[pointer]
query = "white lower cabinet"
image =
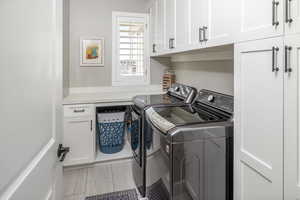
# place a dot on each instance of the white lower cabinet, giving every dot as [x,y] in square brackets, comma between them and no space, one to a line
[259,94]
[292,120]
[79,134]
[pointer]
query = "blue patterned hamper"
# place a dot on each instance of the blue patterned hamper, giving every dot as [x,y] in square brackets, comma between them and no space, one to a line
[111,131]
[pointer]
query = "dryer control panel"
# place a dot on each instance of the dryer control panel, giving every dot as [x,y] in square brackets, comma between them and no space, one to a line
[220,101]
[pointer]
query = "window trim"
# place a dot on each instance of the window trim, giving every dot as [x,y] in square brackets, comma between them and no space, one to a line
[115,80]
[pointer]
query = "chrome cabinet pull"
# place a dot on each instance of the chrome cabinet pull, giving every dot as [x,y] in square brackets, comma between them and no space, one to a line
[275,21]
[288,18]
[79,111]
[171,43]
[200,34]
[154,48]
[287,63]
[274,59]
[205,39]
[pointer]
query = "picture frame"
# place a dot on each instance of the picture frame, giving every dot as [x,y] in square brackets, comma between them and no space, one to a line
[92,52]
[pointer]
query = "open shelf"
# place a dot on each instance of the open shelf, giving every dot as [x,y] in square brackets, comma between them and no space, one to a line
[124,154]
[197,54]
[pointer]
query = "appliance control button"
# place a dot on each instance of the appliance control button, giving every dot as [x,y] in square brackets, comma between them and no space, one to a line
[176,89]
[211,98]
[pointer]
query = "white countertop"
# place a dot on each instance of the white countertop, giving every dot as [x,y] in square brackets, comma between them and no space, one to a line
[108,94]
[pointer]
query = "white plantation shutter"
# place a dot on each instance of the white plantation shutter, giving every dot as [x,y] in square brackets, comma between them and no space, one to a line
[130,52]
[131,49]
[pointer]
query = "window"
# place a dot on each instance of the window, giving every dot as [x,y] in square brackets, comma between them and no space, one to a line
[130,45]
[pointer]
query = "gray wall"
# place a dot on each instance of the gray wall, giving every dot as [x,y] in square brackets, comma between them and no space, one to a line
[212,75]
[94,18]
[66,44]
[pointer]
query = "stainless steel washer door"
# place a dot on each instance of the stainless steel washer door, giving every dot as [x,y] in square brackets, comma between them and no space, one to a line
[135,140]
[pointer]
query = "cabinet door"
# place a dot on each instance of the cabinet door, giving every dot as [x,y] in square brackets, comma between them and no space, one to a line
[160,25]
[292,16]
[170,24]
[218,22]
[291,119]
[182,23]
[198,18]
[260,19]
[153,26]
[80,137]
[259,120]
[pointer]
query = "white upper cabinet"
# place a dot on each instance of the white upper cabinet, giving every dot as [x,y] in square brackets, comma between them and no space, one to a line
[292,16]
[182,24]
[259,94]
[153,26]
[217,21]
[170,24]
[291,118]
[161,26]
[157,14]
[260,19]
[198,18]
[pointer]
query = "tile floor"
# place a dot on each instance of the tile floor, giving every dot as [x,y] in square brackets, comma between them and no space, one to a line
[98,179]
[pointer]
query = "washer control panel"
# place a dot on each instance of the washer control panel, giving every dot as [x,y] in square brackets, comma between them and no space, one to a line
[180,91]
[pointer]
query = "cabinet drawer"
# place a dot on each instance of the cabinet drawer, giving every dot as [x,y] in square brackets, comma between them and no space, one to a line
[78,110]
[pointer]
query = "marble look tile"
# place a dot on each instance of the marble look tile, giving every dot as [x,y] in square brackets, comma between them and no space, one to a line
[81,183]
[69,182]
[122,176]
[75,182]
[75,197]
[99,180]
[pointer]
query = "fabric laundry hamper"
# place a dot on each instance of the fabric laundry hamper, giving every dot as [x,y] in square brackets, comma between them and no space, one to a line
[111,130]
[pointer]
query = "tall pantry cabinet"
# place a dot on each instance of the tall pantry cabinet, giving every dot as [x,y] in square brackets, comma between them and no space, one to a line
[291,118]
[259,119]
[267,140]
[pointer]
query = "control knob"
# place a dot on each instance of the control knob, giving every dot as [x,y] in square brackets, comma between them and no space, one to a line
[211,98]
[177,89]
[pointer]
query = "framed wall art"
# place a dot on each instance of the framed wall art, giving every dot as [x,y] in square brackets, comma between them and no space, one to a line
[91,52]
